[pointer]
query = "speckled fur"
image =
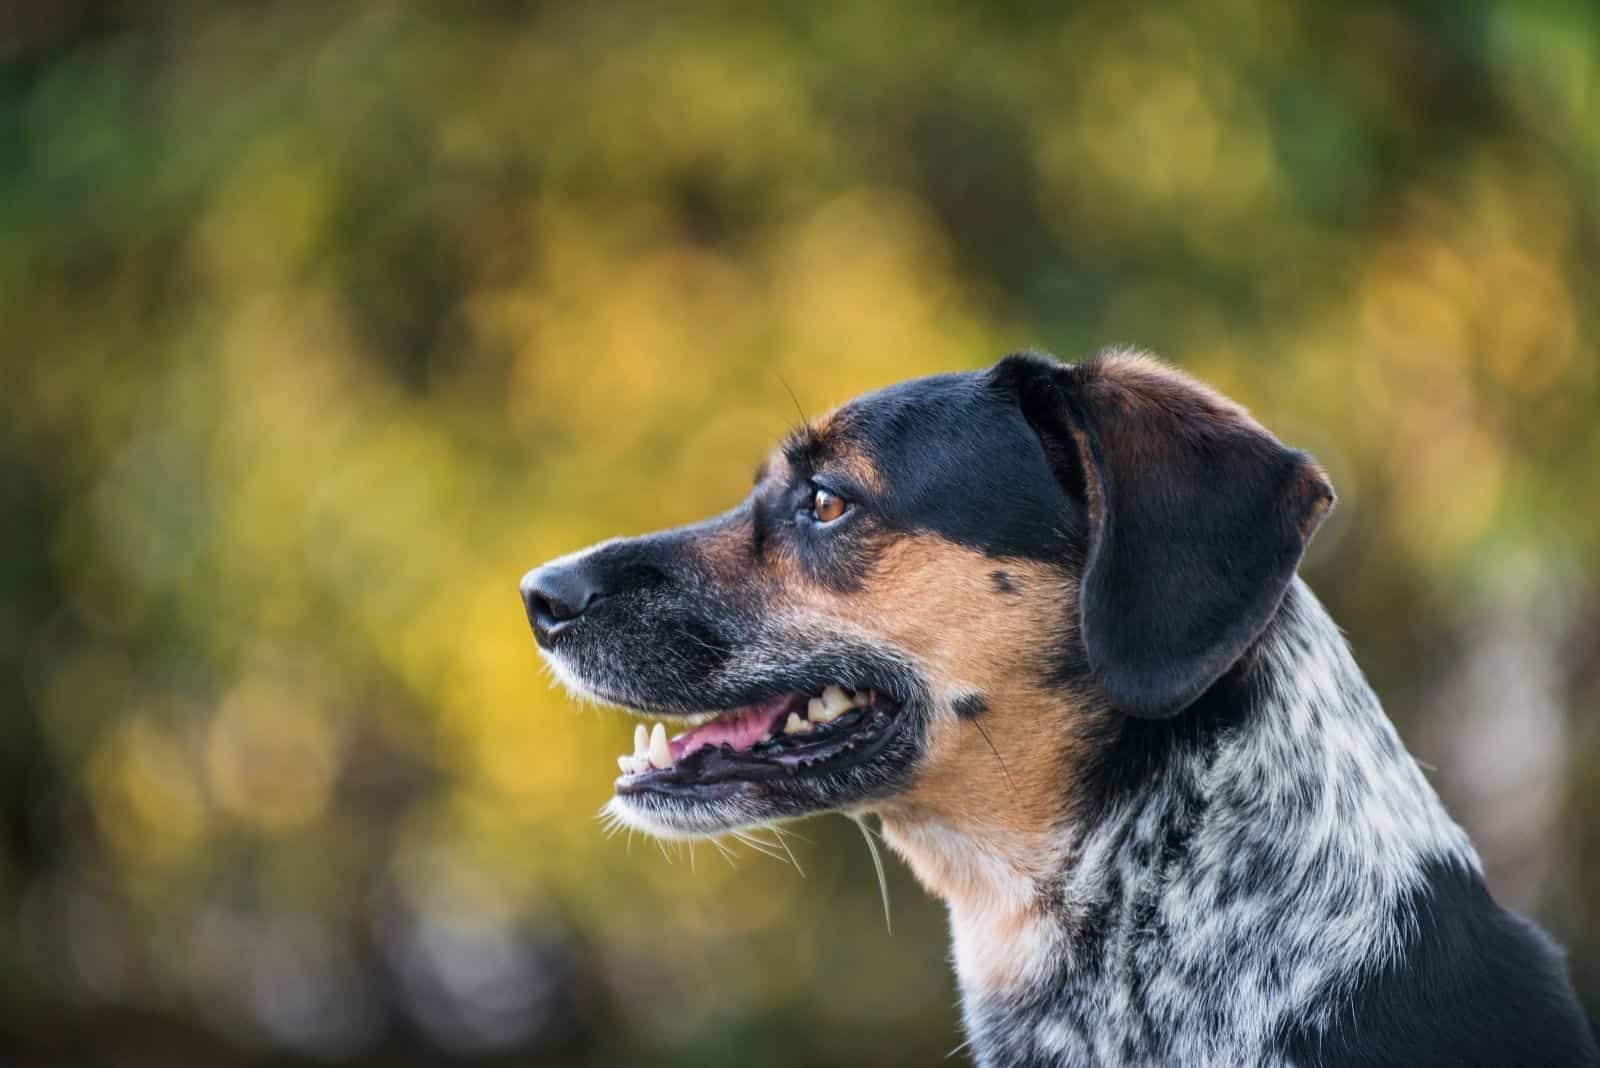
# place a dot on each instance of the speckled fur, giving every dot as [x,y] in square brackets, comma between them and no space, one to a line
[1242,892]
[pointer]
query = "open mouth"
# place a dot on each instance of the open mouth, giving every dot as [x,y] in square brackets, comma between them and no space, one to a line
[786,736]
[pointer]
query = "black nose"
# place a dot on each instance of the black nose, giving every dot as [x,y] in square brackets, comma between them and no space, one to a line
[555,595]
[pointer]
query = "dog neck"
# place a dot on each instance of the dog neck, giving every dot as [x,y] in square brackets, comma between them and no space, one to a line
[1225,871]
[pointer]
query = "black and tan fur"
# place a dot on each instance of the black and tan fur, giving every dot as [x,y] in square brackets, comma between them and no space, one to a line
[1204,843]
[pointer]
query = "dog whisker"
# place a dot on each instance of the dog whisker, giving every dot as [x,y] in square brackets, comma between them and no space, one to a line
[778,836]
[756,844]
[877,864]
[1011,783]
[726,854]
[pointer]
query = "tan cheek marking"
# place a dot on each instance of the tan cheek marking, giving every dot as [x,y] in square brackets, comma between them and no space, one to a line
[980,836]
[938,601]
[969,826]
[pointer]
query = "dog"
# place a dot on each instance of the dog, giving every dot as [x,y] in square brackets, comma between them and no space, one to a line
[1044,621]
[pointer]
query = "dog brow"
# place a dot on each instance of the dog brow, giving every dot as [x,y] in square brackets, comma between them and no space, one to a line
[803,447]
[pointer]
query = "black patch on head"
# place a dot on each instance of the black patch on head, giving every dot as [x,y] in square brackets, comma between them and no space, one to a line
[956,459]
[970,705]
[1002,582]
[1474,986]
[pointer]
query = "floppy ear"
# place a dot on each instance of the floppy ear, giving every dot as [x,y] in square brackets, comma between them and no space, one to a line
[1197,519]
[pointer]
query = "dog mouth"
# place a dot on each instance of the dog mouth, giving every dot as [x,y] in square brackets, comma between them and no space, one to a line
[787,736]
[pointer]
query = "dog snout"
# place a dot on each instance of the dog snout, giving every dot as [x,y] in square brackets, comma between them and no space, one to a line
[556,596]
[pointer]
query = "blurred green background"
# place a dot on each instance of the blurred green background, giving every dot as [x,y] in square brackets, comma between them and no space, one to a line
[322,323]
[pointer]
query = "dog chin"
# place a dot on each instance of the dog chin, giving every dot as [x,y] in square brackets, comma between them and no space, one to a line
[687,818]
[675,821]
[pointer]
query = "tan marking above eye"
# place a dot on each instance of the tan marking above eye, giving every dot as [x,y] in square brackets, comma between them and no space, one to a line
[826,507]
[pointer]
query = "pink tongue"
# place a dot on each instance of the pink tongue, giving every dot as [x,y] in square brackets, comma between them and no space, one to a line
[741,728]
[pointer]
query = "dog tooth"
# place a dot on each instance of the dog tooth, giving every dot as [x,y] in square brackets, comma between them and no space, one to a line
[766,736]
[660,755]
[817,711]
[625,764]
[860,699]
[835,700]
[641,740]
[795,725]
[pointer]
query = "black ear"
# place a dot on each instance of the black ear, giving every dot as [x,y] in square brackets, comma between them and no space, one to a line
[1197,519]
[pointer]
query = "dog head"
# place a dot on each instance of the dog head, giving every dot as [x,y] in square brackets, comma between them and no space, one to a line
[994,561]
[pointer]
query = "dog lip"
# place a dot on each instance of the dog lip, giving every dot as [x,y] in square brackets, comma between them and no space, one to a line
[673,709]
[693,791]
[715,766]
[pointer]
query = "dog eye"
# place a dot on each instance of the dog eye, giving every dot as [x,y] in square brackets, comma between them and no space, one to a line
[826,507]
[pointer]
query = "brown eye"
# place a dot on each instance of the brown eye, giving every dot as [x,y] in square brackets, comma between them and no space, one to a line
[826,507]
